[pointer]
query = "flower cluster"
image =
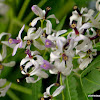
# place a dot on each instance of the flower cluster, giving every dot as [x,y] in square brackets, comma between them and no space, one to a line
[78,43]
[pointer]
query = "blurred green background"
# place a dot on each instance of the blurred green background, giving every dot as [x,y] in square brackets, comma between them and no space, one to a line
[15,13]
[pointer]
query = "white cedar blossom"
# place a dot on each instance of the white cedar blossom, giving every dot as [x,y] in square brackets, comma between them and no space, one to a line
[98,5]
[30,63]
[84,13]
[86,57]
[2,57]
[95,21]
[59,40]
[61,67]
[3,89]
[18,41]
[31,35]
[6,42]
[47,94]
[41,13]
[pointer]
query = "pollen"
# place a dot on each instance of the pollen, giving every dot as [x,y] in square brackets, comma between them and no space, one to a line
[89,51]
[10,40]
[75,7]
[42,98]
[47,43]
[18,80]
[43,34]
[1,67]
[48,8]
[73,25]
[57,84]
[21,68]
[44,65]
[28,42]
[64,57]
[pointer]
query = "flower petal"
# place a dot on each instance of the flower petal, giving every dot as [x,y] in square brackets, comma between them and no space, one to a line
[60,32]
[2,82]
[53,16]
[38,45]
[28,65]
[58,91]
[34,21]
[4,51]
[19,35]
[4,90]
[10,64]
[2,34]
[31,79]
[23,61]
[15,49]
[38,11]
[48,27]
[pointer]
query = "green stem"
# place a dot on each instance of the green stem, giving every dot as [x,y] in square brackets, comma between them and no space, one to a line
[20,88]
[45,52]
[22,11]
[66,33]
[76,57]
[42,23]
[12,95]
[63,98]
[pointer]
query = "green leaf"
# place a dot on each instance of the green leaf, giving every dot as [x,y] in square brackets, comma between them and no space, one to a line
[70,90]
[91,82]
[97,46]
[60,25]
[81,94]
[90,77]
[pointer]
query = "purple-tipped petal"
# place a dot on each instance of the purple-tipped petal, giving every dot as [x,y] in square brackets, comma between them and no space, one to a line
[13,41]
[46,65]
[49,44]
[19,35]
[15,49]
[38,11]
[20,44]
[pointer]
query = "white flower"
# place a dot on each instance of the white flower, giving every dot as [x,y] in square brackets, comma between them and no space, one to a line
[2,56]
[3,90]
[78,15]
[60,41]
[18,41]
[98,5]
[32,36]
[43,15]
[96,21]
[61,67]
[48,95]
[32,61]
[86,57]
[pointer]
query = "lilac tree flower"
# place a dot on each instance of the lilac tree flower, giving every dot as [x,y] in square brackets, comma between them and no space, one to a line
[78,15]
[48,95]
[32,61]
[18,41]
[98,5]
[46,65]
[3,89]
[32,36]
[2,56]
